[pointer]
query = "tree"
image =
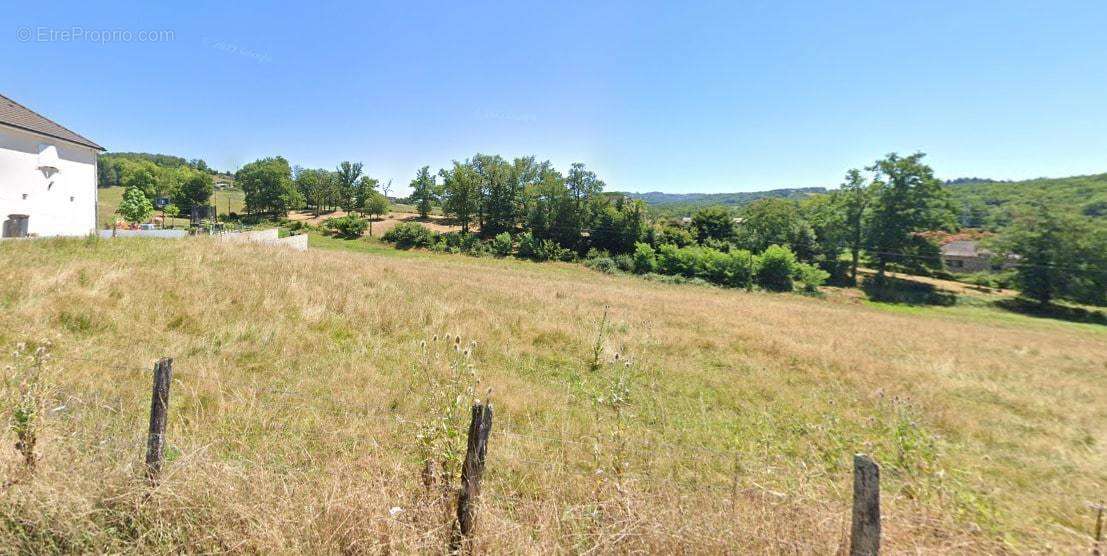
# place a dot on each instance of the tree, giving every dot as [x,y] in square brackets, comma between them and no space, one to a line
[376,204]
[317,187]
[423,191]
[141,176]
[195,190]
[853,199]
[365,189]
[171,211]
[135,207]
[347,176]
[461,194]
[620,225]
[1046,243]
[268,186]
[583,186]
[907,199]
[714,222]
[773,221]
[499,194]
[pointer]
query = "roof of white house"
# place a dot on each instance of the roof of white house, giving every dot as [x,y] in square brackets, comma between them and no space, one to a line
[16,115]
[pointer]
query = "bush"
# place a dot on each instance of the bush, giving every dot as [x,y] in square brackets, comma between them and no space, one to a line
[645,258]
[501,244]
[408,235]
[624,262]
[530,248]
[775,268]
[605,265]
[811,276]
[348,227]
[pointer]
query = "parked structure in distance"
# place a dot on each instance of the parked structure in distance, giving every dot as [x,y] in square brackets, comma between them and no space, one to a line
[47,176]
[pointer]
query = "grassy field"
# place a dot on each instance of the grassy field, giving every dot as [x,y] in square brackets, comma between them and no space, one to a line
[110,197]
[305,401]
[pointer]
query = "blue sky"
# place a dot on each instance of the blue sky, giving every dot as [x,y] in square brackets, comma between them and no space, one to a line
[673,96]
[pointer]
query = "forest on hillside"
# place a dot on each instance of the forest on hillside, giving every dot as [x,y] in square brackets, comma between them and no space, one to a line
[992,205]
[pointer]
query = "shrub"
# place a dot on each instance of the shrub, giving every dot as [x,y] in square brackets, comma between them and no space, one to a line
[811,276]
[407,235]
[775,268]
[501,244]
[555,252]
[674,261]
[529,247]
[605,265]
[645,258]
[624,262]
[349,227]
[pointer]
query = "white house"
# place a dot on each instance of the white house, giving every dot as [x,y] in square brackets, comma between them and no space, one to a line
[47,176]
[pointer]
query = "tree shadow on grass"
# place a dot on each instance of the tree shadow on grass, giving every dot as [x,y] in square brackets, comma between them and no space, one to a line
[905,292]
[1052,311]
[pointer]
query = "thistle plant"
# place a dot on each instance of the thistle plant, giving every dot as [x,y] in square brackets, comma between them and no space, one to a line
[27,400]
[616,396]
[446,367]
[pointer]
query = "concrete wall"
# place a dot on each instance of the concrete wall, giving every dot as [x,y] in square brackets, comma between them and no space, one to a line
[62,204]
[164,234]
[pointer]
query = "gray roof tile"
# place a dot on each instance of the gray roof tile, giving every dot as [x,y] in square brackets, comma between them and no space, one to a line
[16,115]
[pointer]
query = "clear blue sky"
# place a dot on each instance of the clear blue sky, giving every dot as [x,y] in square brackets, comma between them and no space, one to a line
[675,96]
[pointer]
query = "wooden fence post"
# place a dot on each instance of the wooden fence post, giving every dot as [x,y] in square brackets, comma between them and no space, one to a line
[865,534]
[159,406]
[1097,547]
[480,426]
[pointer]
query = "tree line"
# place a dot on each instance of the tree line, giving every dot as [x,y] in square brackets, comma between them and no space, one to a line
[271,185]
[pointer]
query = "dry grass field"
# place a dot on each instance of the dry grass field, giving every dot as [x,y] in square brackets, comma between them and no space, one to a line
[304,402]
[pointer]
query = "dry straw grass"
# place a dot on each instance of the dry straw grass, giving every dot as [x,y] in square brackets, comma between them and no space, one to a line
[299,399]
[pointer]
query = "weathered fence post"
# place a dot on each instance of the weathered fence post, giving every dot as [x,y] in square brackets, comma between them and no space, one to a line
[865,534]
[159,406]
[480,426]
[1097,549]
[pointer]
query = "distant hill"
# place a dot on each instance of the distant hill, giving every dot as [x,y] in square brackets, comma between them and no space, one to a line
[110,166]
[683,204]
[989,204]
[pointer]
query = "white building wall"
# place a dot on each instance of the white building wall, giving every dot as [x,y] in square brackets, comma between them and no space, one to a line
[63,204]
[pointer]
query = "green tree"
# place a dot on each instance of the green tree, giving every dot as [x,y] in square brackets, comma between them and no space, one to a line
[268,186]
[461,194]
[907,199]
[499,194]
[774,221]
[195,190]
[141,176]
[347,176]
[1045,242]
[317,187]
[364,191]
[620,224]
[376,204]
[714,222]
[135,207]
[853,199]
[424,191]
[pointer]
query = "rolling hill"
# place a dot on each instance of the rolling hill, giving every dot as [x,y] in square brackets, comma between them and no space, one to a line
[980,203]
[683,204]
[989,204]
